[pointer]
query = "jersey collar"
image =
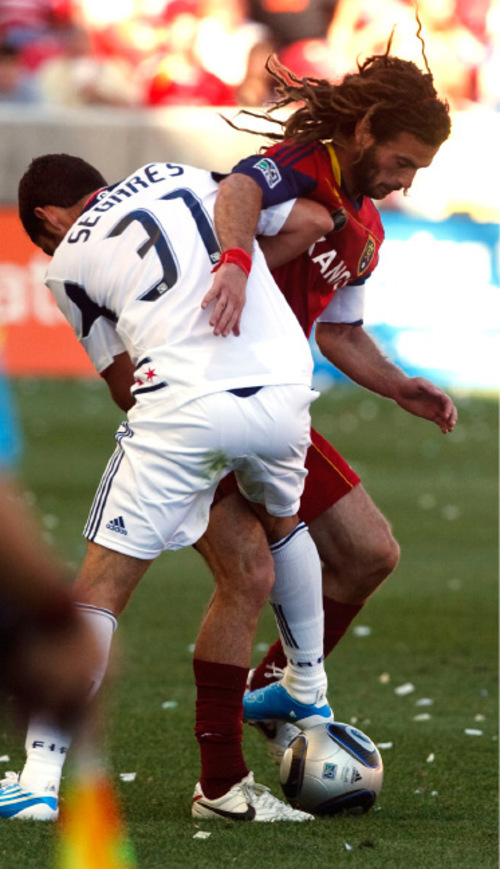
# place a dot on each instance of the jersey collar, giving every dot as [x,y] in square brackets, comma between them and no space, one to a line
[337,174]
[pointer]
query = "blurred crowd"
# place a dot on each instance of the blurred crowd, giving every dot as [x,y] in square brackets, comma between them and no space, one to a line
[146,53]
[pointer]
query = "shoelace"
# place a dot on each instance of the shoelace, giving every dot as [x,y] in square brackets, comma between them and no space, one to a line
[254,790]
[273,672]
[9,779]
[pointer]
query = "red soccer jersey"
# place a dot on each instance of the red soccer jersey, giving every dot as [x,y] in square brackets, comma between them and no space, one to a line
[348,254]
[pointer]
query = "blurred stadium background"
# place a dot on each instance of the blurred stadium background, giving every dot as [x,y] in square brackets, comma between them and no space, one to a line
[124,82]
[128,81]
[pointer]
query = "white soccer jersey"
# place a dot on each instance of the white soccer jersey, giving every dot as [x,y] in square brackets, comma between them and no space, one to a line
[131,274]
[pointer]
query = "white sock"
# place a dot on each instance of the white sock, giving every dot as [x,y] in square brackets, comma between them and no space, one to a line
[297,601]
[46,744]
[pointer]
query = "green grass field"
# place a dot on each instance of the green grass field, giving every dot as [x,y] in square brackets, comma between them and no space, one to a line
[434,625]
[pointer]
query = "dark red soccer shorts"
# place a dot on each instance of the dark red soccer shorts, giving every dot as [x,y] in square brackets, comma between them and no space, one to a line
[328,480]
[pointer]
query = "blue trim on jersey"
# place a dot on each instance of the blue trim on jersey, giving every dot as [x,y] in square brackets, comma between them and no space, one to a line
[292,153]
[149,388]
[89,310]
[291,185]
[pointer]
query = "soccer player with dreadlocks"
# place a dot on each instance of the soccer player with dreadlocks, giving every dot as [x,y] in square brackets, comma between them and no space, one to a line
[345,144]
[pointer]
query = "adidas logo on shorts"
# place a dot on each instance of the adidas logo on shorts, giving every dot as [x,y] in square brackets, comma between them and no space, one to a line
[117,525]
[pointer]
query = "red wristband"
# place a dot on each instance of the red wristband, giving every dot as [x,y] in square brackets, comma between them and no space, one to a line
[238,257]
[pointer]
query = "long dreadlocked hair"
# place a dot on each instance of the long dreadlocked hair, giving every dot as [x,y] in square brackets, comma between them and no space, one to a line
[393,95]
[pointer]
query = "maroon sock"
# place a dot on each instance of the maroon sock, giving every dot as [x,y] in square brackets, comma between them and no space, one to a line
[338,617]
[219,728]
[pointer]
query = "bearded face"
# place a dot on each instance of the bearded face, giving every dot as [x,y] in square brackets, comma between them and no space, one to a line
[384,168]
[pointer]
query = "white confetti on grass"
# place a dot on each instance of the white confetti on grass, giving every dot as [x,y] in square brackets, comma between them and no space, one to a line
[427,501]
[262,647]
[384,745]
[169,704]
[201,834]
[424,701]
[431,758]
[422,716]
[479,717]
[403,690]
[128,776]
[471,731]
[4,758]
[384,678]
[361,631]
[450,512]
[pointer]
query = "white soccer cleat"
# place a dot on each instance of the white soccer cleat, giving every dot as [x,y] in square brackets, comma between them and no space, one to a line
[278,736]
[245,801]
[17,802]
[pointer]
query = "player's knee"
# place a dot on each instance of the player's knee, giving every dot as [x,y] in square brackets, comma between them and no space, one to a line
[249,586]
[359,570]
[386,555]
[379,559]
[261,580]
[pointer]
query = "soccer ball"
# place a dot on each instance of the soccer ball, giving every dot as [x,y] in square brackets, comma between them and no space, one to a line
[332,768]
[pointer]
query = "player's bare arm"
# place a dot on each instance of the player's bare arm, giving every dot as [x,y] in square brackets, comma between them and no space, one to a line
[119,378]
[307,222]
[354,353]
[237,212]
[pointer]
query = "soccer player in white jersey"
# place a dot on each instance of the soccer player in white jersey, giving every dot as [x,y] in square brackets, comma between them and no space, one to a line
[130,270]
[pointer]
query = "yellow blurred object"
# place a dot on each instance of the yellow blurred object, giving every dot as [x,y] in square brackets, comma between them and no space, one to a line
[92,833]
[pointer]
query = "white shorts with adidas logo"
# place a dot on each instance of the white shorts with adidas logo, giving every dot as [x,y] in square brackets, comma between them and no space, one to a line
[156,491]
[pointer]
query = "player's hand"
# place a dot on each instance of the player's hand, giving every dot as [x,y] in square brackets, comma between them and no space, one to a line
[228,291]
[424,399]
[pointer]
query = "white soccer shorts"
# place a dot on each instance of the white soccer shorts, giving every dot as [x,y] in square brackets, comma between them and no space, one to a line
[158,486]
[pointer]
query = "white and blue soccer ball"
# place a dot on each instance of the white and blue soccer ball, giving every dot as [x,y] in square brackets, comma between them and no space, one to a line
[330,769]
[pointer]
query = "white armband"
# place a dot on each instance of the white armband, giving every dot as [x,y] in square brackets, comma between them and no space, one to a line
[347,306]
[272,219]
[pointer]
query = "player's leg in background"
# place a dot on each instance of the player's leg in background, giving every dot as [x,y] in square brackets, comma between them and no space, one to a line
[358,552]
[103,587]
[357,548]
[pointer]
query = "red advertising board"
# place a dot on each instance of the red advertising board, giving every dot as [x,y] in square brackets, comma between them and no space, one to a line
[36,339]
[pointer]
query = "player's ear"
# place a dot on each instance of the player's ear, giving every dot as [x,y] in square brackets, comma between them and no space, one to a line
[363,134]
[51,215]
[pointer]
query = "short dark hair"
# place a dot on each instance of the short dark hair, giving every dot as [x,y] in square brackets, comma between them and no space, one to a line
[54,179]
